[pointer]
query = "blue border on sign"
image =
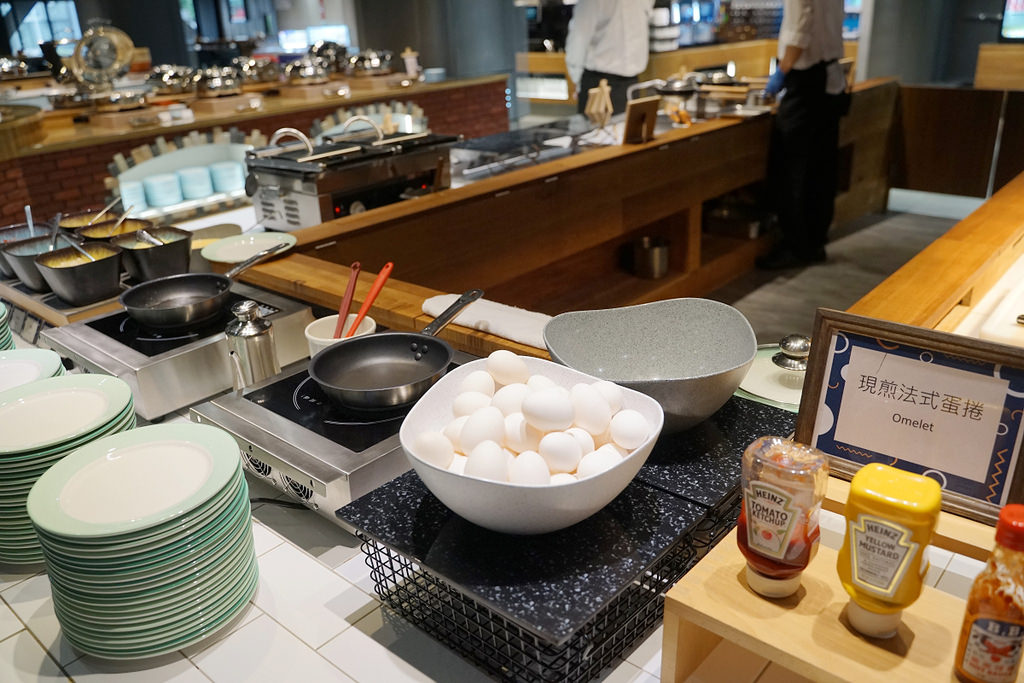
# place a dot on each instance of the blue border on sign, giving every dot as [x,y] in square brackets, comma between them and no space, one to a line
[991,490]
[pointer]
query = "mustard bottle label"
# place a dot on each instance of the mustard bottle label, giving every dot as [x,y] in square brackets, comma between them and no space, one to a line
[993,650]
[771,517]
[880,553]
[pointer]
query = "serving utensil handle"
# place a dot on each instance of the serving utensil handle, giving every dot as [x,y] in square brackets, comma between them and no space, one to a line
[254,259]
[448,314]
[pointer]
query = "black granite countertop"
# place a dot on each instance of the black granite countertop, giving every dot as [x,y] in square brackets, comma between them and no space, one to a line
[552,584]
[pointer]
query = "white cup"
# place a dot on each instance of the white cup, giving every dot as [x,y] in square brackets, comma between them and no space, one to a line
[320,332]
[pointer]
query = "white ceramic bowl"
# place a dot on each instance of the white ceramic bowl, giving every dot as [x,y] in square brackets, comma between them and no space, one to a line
[320,332]
[690,354]
[517,508]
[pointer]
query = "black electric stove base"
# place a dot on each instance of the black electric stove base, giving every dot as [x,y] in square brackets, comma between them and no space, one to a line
[564,605]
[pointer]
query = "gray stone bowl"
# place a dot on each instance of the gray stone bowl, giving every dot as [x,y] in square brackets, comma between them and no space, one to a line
[688,354]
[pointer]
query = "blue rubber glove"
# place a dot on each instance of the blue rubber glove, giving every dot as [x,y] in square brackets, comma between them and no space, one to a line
[774,84]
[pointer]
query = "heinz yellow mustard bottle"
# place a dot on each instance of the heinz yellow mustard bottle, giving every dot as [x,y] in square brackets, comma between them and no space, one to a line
[890,517]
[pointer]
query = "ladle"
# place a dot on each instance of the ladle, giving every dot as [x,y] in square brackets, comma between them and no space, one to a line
[104,211]
[71,240]
[124,216]
[143,236]
[28,219]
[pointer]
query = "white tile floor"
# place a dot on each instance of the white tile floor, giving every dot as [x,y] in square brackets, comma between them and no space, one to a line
[315,618]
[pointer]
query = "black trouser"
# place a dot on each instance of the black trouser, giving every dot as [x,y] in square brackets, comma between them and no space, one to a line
[804,160]
[618,84]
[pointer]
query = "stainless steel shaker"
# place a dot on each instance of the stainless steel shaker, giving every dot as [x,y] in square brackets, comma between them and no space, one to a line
[251,344]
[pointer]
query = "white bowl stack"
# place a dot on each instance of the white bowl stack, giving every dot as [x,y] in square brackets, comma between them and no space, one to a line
[40,423]
[227,176]
[195,182]
[148,539]
[162,189]
[21,366]
[6,338]
[133,194]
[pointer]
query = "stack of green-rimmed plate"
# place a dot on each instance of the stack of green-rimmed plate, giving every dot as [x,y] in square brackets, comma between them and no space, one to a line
[40,423]
[21,366]
[6,338]
[148,539]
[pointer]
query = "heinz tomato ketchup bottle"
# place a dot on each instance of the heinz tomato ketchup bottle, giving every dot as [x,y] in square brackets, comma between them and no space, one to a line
[783,486]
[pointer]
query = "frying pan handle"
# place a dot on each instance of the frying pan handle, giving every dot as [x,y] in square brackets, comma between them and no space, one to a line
[254,259]
[441,321]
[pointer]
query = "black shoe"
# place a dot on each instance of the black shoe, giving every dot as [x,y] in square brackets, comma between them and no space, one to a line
[779,258]
[819,256]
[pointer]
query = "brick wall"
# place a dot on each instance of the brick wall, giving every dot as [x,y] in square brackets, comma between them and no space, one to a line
[73,180]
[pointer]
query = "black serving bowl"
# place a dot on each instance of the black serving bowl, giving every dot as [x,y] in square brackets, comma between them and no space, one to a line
[21,256]
[79,281]
[15,233]
[146,261]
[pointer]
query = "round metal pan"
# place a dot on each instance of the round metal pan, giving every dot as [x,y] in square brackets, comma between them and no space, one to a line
[390,369]
[188,299]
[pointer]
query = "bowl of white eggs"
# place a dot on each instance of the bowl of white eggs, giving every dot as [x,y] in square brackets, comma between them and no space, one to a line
[522,445]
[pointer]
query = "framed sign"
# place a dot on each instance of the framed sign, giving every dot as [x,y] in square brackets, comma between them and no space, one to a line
[938,404]
[641,115]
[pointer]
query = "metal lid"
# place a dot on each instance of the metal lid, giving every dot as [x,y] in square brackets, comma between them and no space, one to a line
[246,310]
[793,352]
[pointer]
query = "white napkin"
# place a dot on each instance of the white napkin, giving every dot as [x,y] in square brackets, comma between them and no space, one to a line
[517,324]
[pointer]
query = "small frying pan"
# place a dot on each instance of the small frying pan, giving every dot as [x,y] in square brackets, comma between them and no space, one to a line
[187,299]
[389,369]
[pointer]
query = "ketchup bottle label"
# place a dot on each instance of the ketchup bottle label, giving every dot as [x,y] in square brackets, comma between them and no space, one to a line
[770,519]
[993,650]
[880,554]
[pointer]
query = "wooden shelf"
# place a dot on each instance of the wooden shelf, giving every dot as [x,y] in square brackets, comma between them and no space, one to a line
[806,633]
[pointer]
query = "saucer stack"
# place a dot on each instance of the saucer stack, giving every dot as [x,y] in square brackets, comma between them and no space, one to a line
[21,366]
[40,423]
[148,539]
[227,176]
[133,194]
[195,182]
[162,189]
[6,338]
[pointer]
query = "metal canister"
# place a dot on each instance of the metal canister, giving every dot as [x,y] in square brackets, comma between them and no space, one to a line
[251,343]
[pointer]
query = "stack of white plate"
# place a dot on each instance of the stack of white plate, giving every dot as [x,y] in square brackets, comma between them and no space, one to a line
[162,189]
[40,423]
[148,539]
[195,182]
[21,366]
[6,338]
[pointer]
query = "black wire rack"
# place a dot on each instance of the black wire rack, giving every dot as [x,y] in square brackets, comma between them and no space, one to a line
[510,652]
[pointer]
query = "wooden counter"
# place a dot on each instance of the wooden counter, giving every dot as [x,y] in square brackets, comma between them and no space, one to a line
[65,171]
[549,237]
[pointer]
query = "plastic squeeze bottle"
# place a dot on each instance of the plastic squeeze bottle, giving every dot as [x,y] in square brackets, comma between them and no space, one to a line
[783,486]
[993,630]
[890,517]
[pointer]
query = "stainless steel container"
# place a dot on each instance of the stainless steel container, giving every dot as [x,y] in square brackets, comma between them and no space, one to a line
[650,257]
[251,345]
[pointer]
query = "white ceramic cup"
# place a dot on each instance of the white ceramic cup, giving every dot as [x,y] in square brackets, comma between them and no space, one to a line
[320,332]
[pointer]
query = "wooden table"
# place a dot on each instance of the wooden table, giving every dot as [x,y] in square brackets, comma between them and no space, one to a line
[806,633]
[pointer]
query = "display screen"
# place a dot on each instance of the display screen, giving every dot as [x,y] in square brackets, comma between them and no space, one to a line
[337,33]
[1013,20]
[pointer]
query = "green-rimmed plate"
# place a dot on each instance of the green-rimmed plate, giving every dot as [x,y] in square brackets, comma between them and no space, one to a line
[238,248]
[51,411]
[132,481]
[123,422]
[22,366]
[128,544]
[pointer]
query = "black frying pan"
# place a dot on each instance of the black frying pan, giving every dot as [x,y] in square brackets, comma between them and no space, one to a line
[389,369]
[188,299]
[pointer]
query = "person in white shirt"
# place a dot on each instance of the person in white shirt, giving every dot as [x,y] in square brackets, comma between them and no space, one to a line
[607,39]
[803,163]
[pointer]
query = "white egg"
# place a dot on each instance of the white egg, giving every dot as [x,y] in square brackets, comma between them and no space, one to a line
[562,478]
[468,402]
[548,410]
[529,468]
[453,430]
[629,429]
[509,398]
[458,465]
[538,382]
[434,447]
[487,461]
[614,448]
[561,452]
[520,436]
[478,380]
[612,393]
[597,462]
[507,368]
[583,437]
[486,424]
[590,408]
